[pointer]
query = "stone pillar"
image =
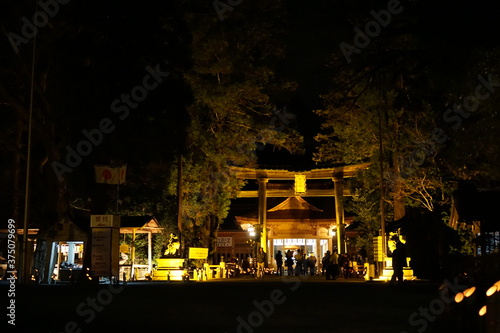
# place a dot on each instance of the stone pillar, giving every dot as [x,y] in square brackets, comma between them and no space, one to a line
[132,257]
[270,255]
[51,261]
[263,212]
[71,253]
[339,213]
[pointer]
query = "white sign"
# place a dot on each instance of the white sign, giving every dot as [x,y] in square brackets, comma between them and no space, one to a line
[100,221]
[104,251]
[224,241]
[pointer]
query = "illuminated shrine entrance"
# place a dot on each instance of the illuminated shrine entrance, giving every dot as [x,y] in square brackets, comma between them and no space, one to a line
[295,223]
[307,246]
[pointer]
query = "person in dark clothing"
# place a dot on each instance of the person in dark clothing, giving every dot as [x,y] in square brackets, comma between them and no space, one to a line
[398,262]
[332,270]
[311,264]
[261,261]
[279,262]
[245,265]
[346,264]
[324,262]
[289,262]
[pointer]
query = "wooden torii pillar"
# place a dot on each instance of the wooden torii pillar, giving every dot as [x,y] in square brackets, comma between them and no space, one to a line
[339,212]
[263,212]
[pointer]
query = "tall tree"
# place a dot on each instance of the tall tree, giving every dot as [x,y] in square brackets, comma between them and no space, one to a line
[233,83]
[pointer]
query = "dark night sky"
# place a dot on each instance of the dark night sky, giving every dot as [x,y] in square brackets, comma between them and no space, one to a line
[109,44]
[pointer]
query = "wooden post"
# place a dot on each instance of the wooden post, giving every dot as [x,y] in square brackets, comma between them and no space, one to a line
[339,213]
[263,212]
[382,192]
[132,259]
[150,252]
[179,208]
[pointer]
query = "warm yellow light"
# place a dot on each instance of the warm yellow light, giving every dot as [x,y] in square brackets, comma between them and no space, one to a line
[459,297]
[493,289]
[482,311]
[300,183]
[469,292]
[124,248]
[497,284]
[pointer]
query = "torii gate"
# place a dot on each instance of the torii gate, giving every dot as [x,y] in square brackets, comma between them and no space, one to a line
[337,174]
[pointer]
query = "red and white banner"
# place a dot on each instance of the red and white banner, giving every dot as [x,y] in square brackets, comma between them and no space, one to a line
[106,174]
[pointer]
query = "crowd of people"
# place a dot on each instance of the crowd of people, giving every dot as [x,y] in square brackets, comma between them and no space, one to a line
[332,265]
[294,263]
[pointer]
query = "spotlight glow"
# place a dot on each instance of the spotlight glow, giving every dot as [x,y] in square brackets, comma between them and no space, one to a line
[459,297]
[482,311]
[469,292]
[493,289]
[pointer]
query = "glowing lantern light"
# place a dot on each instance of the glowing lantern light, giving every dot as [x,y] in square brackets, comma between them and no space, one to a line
[251,231]
[300,184]
[469,292]
[493,289]
[482,311]
[459,297]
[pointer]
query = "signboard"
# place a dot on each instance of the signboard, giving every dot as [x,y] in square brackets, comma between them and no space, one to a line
[198,253]
[224,241]
[300,184]
[103,221]
[105,251]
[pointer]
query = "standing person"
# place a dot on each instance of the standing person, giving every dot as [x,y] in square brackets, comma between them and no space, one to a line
[398,262]
[341,260]
[289,262]
[298,263]
[245,265]
[279,262]
[261,260]
[311,264]
[354,267]
[333,267]
[325,261]
[346,263]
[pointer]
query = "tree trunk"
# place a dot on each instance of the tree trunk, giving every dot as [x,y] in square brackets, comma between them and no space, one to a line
[16,170]
[399,200]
